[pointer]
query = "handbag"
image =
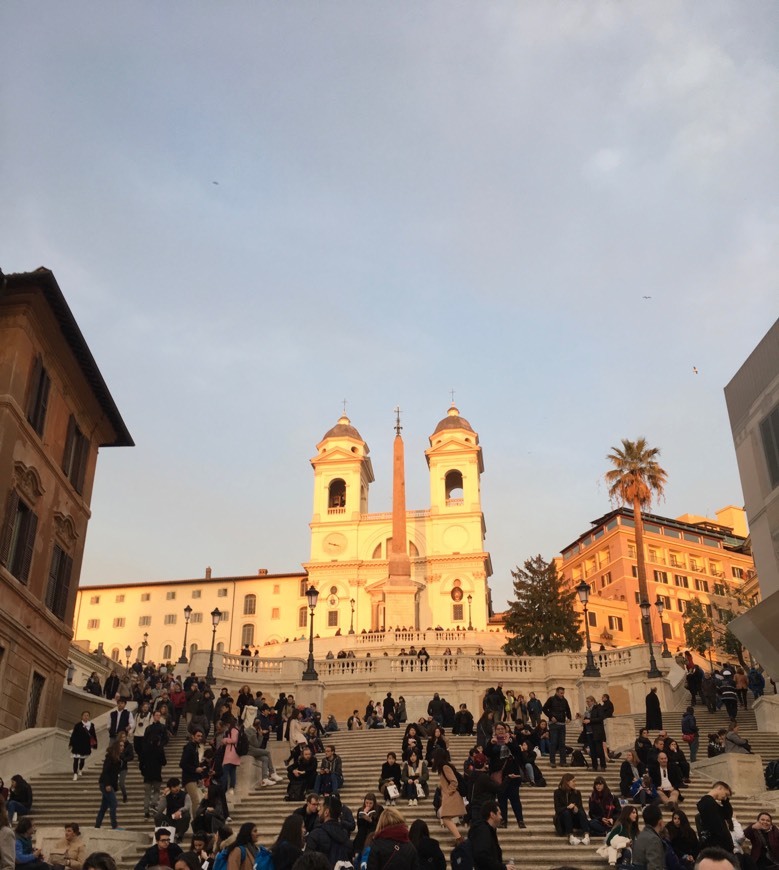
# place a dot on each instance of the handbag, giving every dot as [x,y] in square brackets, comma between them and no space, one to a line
[92,741]
[420,790]
[689,738]
[392,791]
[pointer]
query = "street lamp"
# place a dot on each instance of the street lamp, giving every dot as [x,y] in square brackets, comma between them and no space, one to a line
[127,650]
[144,645]
[645,607]
[310,672]
[351,624]
[216,618]
[470,601]
[660,605]
[590,668]
[183,656]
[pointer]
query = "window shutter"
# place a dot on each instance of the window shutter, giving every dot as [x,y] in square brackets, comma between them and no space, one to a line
[66,566]
[82,449]
[67,459]
[11,507]
[51,588]
[32,396]
[29,543]
[44,402]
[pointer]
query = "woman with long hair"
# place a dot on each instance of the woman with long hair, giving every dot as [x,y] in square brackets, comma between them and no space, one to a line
[19,797]
[82,741]
[391,844]
[569,812]
[631,770]
[390,776]
[232,759]
[109,784]
[452,806]
[414,775]
[603,807]
[484,728]
[643,746]
[367,819]
[242,852]
[619,839]
[683,839]
[428,849]
[437,740]
[289,843]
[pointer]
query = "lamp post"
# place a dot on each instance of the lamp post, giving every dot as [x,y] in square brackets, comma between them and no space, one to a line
[470,601]
[653,672]
[127,650]
[310,672]
[216,617]
[144,645]
[590,668]
[183,656]
[351,624]
[660,605]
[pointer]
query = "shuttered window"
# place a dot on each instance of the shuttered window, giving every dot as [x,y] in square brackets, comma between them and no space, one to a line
[74,461]
[38,396]
[17,537]
[59,582]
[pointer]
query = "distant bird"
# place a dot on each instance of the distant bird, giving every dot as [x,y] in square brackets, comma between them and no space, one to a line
[646,297]
[695,370]
[214,182]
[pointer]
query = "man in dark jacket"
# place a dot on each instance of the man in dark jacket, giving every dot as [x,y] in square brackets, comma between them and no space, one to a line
[436,709]
[648,850]
[667,778]
[557,711]
[654,715]
[174,809]
[330,838]
[389,705]
[463,721]
[192,768]
[162,854]
[715,810]
[483,837]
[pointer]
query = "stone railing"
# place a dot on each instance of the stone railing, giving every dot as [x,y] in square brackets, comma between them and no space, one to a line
[406,638]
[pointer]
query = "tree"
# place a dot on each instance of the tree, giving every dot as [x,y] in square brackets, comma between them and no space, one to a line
[635,479]
[542,619]
[697,627]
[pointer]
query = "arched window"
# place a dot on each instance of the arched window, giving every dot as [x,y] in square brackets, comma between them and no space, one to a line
[249,605]
[220,647]
[302,617]
[453,487]
[247,634]
[115,654]
[192,650]
[336,494]
[167,651]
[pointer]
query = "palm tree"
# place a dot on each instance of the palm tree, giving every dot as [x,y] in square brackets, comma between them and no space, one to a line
[634,480]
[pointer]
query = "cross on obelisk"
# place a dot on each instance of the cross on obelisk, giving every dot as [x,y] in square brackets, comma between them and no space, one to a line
[398,427]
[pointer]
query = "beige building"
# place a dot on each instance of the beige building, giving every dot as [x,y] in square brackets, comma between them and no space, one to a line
[412,569]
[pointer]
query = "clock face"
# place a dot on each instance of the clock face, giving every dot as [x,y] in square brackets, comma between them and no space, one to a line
[334,543]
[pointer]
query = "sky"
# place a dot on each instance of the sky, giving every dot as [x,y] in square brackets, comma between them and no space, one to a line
[564,212]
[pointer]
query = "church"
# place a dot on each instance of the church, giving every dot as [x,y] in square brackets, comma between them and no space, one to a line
[402,569]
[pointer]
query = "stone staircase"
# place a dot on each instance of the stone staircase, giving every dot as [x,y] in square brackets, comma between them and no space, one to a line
[58,799]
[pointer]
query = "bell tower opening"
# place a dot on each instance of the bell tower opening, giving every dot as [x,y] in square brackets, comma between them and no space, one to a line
[453,487]
[336,496]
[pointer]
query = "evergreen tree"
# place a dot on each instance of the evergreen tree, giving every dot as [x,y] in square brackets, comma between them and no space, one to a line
[542,619]
[697,627]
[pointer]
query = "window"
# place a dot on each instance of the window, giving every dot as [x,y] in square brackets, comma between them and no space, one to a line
[276,589]
[34,702]
[737,573]
[634,570]
[332,618]
[196,617]
[605,579]
[720,589]
[74,460]
[275,613]
[119,599]
[694,539]
[667,631]
[145,596]
[247,635]
[592,619]
[167,651]
[220,647]
[58,588]
[457,612]
[651,528]
[336,496]
[302,617]
[144,620]
[225,616]
[303,587]
[632,552]
[249,605]
[682,581]
[702,585]
[661,576]
[115,653]
[453,487]
[170,619]
[170,595]
[222,593]
[93,623]
[17,537]
[195,593]
[38,398]
[677,560]
[709,610]
[769,433]
[615,623]
[119,622]
[666,601]
[681,605]
[638,597]
[334,590]
[95,599]
[192,649]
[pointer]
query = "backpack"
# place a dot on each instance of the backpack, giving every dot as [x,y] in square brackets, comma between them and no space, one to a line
[578,759]
[462,856]
[220,862]
[264,859]
[772,775]
[242,743]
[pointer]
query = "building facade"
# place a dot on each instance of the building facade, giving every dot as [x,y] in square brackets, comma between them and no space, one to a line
[688,558]
[401,569]
[55,414]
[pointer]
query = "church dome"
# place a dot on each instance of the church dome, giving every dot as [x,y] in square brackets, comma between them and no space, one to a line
[343,429]
[453,420]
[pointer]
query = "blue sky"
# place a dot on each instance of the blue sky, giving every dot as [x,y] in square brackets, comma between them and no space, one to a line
[412,197]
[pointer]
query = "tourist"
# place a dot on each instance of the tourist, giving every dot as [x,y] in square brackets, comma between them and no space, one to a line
[400,714]
[429,852]
[232,759]
[93,686]
[329,837]
[301,774]
[367,818]
[463,722]
[666,778]
[174,809]
[603,807]
[506,770]
[683,840]
[200,848]
[71,850]
[534,709]
[764,837]
[120,719]
[483,837]
[557,712]
[690,732]
[289,843]
[734,742]
[26,854]
[484,728]
[329,778]
[99,861]
[726,691]
[643,746]
[162,854]
[452,806]
[211,812]
[756,683]
[391,844]
[569,811]
[242,852]
[152,761]
[540,737]
[654,715]
[389,779]
[595,731]
[256,738]
[741,681]
[109,784]
[414,775]
[143,718]
[437,740]
[82,741]
[192,768]
[648,849]
[631,771]
[676,756]
[19,797]
[7,840]
[619,839]
[354,722]
[716,812]
[126,755]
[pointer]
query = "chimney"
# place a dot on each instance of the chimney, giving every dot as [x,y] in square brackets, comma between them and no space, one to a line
[208,573]
[262,572]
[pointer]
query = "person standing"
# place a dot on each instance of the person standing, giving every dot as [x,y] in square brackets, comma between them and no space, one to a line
[558,712]
[109,784]
[452,805]
[82,741]
[483,836]
[534,709]
[715,811]
[151,764]
[192,768]
[120,719]
[654,715]
[690,733]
